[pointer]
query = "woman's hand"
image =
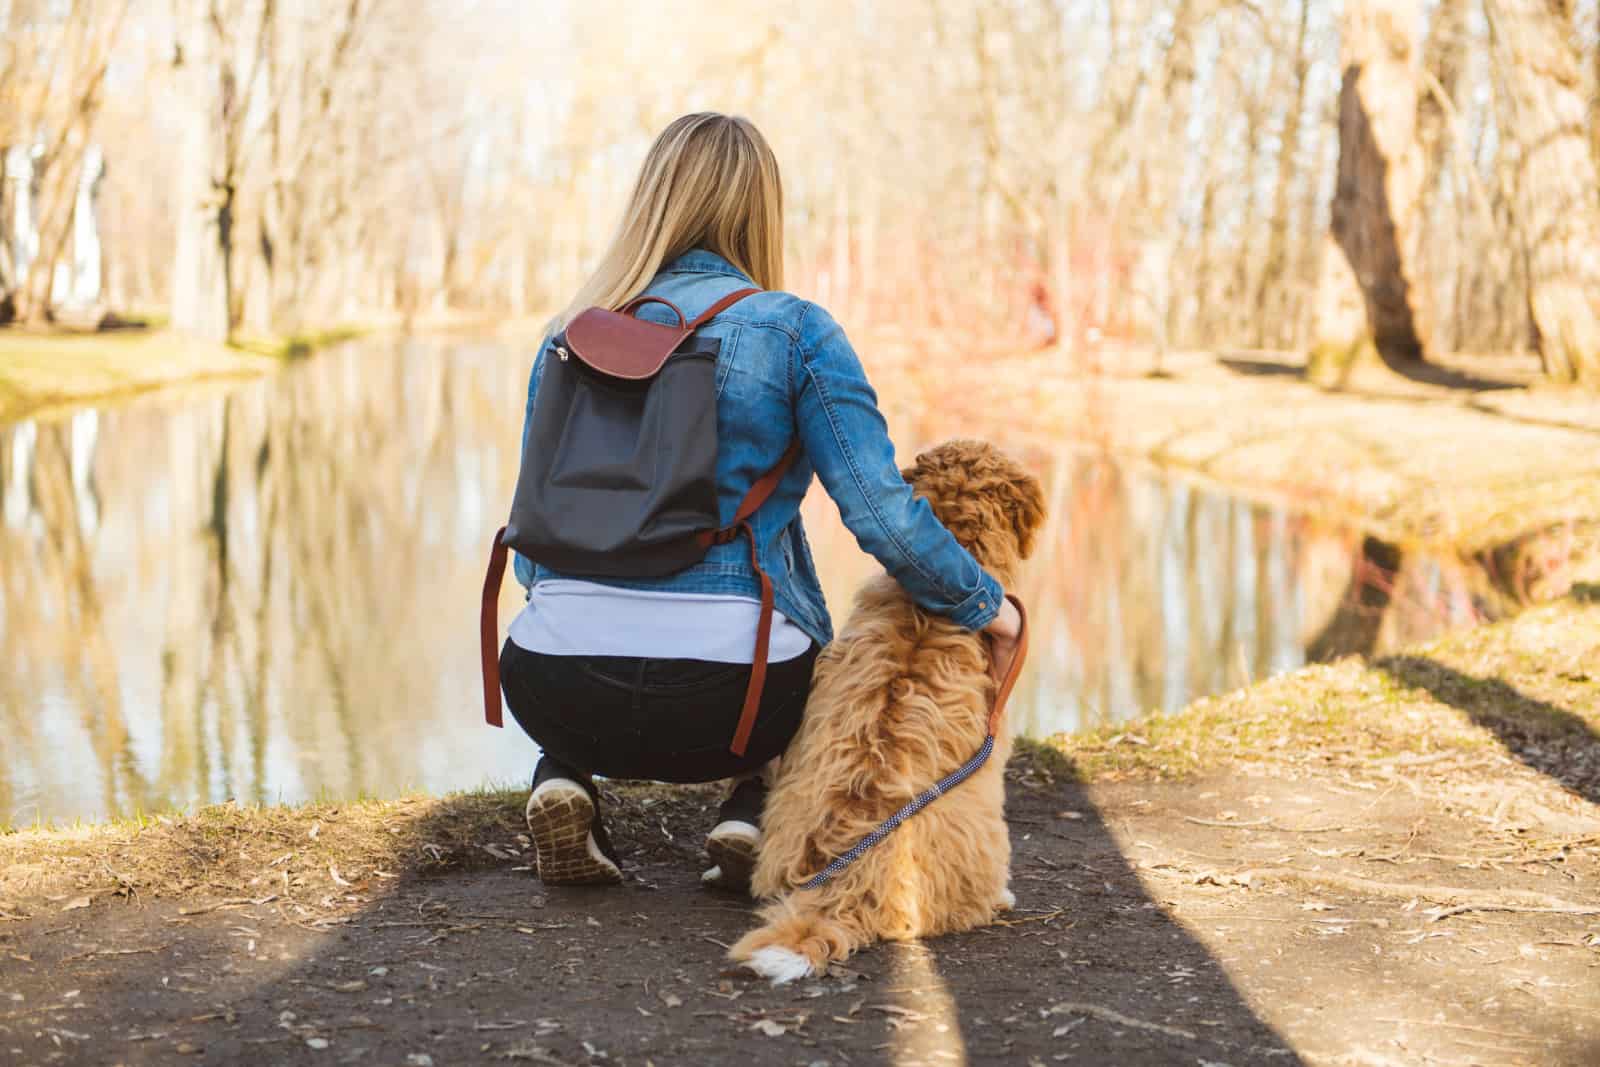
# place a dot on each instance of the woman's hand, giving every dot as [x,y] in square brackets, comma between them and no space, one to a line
[1002,633]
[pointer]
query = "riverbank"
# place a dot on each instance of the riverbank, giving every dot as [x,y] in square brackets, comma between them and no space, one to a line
[50,371]
[1483,462]
[1486,461]
[1353,863]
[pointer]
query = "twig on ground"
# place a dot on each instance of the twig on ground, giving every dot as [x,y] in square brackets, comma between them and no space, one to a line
[1080,1007]
[1463,899]
[1046,917]
[1463,909]
[95,952]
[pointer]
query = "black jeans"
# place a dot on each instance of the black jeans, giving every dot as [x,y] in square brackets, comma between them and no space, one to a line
[670,720]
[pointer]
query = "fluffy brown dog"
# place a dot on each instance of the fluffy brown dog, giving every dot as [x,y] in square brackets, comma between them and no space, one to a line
[898,701]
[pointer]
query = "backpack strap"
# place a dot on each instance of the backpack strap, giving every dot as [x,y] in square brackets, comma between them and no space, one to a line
[758,495]
[488,629]
[718,308]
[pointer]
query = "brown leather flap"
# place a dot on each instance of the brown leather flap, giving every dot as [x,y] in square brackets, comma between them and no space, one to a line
[620,345]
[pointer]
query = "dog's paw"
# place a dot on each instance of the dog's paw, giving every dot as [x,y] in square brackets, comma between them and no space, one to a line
[1007,901]
[778,965]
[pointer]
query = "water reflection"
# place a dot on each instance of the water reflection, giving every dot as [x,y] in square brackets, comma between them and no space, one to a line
[268,593]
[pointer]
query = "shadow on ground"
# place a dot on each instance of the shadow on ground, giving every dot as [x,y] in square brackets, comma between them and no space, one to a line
[479,963]
[1550,739]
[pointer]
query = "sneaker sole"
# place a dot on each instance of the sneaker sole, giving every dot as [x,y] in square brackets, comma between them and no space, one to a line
[559,818]
[734,852]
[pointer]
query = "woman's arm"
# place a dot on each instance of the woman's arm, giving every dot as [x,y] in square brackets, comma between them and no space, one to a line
[847,441]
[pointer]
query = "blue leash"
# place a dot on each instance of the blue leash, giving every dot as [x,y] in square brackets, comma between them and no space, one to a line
[892,823]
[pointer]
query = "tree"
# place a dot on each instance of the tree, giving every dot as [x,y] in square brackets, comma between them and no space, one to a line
[1556,200]
[200,296]
[1375,215]
[68,79]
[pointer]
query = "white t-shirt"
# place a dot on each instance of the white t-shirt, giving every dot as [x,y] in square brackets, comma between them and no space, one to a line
[570,617]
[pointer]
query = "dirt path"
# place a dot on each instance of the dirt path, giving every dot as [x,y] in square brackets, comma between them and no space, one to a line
[1385,863]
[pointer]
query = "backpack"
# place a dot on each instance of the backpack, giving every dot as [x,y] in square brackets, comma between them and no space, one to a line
[619,470]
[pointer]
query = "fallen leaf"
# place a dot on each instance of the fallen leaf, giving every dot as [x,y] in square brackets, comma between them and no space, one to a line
[76,904]
[333,872]
[671,1000]
[770,1028]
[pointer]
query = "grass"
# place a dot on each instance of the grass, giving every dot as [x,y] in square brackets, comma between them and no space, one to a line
[297,345]
[235,850]
[248,851]
[1529,685]
[46,371]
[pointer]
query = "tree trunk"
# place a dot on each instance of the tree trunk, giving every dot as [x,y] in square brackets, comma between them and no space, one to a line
[1272,321]
[200,298]
[1444,62]
[1557,204]
[1375,204]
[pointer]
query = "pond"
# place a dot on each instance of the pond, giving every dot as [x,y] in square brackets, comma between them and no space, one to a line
[268,592]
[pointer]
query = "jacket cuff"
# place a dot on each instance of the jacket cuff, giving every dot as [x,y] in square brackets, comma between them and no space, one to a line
[979,609]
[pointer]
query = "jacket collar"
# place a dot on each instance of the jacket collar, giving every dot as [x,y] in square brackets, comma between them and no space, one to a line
[701,261]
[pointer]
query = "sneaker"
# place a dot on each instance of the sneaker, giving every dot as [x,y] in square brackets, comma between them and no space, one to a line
[735,842]
[568,835]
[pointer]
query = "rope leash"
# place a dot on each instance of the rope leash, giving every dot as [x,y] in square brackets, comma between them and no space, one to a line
[841,863]
[892,823]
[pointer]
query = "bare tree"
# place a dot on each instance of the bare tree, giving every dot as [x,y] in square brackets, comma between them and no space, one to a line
[1555,195]
[72,87]
[1375,206]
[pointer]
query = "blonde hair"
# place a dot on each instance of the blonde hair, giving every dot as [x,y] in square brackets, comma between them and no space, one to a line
[709,181]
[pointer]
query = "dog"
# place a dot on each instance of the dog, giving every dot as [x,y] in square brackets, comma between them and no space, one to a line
[899,700]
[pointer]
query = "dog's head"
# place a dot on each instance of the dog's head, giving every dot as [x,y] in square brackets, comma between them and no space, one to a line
[991,505]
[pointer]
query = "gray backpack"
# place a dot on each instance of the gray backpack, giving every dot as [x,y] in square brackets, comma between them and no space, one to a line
[619,470]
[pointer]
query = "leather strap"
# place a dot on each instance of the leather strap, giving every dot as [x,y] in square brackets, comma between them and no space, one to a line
[758,495]
[627,309]
[488,629]
[758,662]
[719,307]
[1008,680]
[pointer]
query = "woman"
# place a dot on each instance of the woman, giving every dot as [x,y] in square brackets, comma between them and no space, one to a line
[646,678]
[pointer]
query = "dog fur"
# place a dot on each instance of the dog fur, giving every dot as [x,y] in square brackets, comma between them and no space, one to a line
[900,699]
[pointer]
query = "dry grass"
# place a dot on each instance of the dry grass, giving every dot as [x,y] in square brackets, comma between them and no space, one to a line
[1529,685]
[308,856]
[43,371]
[235,851]
[47,371]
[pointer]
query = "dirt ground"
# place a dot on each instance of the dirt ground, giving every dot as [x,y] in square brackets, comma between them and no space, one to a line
[1387,863]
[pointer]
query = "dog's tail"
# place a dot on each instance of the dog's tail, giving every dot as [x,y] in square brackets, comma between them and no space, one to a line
[800,936]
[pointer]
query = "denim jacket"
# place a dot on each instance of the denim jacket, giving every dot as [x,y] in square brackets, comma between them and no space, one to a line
[786,369]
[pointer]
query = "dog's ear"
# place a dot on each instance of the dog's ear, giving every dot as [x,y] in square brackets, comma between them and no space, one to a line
[1024,502]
